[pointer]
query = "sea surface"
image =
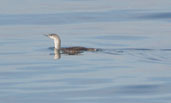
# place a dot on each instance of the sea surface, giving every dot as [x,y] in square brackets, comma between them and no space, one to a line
[133,64]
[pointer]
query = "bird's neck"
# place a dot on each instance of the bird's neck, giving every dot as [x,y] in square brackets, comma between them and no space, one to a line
[57,43]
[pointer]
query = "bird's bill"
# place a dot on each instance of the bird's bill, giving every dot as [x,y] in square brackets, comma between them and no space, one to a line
[46,35]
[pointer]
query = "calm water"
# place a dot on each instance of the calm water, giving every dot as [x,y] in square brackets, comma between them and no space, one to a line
[134,65]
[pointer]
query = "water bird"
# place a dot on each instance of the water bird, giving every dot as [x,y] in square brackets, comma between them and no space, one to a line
[69,50]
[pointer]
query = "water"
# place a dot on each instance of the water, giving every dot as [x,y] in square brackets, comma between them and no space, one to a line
[133,66]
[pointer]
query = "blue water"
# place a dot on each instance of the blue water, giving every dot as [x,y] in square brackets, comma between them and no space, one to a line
[132,66]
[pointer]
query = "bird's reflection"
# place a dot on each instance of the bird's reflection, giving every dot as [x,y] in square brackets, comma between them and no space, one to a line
[57,53]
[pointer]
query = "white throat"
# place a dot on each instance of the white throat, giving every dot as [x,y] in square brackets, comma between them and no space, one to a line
[57,43]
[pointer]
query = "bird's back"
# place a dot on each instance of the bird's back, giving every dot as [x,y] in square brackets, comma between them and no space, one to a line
[76,50]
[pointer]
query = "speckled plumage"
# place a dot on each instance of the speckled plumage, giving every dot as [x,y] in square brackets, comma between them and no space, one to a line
[68,50]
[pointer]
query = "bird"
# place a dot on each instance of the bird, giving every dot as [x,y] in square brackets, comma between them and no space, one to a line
[68,50]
